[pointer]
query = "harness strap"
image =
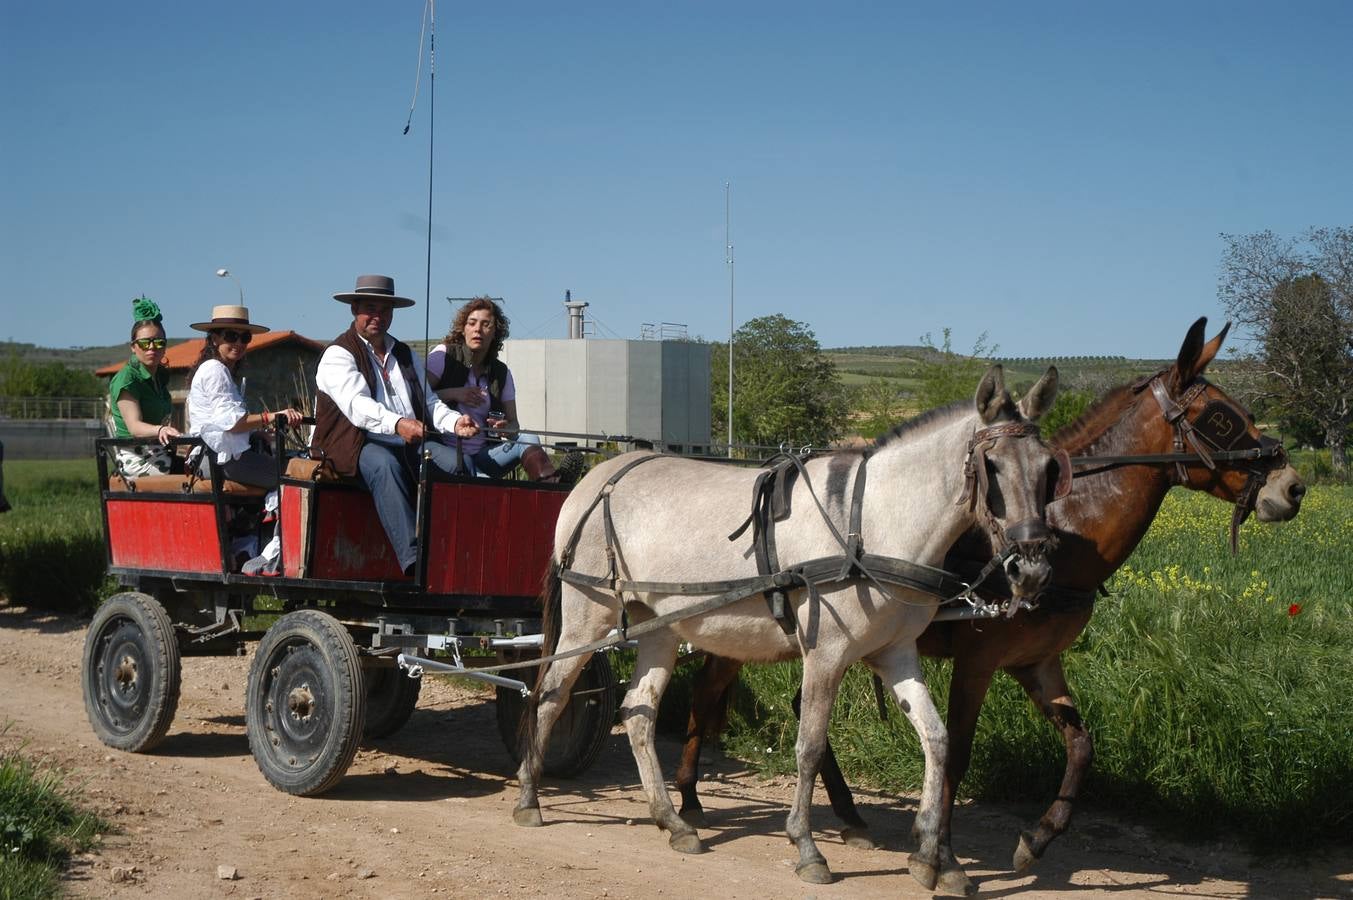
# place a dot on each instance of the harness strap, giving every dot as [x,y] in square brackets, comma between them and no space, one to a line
[854,536]
[566,555]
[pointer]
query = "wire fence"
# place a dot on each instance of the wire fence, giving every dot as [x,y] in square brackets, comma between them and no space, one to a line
[53,407]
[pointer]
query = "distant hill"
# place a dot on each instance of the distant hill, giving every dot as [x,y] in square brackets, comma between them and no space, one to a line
[899,364]
[90,358]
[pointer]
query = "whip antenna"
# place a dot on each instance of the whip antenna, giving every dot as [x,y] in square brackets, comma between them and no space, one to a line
[418,71]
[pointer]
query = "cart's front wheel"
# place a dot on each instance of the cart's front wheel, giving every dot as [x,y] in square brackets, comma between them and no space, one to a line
[305,703]
[583,726]
[131,672]
[391,696]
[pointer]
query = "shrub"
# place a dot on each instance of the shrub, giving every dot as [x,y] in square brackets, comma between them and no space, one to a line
[40,826]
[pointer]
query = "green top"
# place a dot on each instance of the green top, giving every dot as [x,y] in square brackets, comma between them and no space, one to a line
[150,391]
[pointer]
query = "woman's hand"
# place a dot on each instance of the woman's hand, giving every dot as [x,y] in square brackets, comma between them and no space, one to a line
[470,394]
[293,416]
[166,433]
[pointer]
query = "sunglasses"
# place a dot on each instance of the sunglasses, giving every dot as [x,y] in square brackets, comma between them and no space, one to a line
[149,343]
[230,336]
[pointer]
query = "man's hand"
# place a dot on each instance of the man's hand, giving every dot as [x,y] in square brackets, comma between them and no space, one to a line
[465,427]
[411,430]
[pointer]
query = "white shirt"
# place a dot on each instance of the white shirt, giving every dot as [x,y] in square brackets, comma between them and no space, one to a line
[340,378]
[214,407]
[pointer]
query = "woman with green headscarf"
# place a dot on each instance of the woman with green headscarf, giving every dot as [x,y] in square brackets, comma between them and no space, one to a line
[139,399]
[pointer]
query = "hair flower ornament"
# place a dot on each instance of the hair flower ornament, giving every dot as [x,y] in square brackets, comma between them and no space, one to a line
[145,310]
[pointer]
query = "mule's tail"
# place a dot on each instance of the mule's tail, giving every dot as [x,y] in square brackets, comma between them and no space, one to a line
[550,600]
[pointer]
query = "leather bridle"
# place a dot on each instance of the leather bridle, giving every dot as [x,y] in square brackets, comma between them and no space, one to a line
[1210,438]
[1030,538]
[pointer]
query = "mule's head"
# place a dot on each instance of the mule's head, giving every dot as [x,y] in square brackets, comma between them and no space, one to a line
[1210,424]
[1012,476]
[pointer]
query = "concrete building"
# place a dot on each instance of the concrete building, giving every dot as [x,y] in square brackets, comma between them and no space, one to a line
[655,390]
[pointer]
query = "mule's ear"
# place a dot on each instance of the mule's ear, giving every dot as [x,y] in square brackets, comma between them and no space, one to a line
[1187,367]
[1039,398]
[991,396]
[1210,351]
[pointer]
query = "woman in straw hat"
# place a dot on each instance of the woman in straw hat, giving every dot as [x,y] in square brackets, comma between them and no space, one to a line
[138,395]
[216,411]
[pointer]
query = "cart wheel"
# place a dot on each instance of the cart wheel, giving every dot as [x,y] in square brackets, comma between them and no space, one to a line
[131,672]
[583,726]
[391,696]
[305,703]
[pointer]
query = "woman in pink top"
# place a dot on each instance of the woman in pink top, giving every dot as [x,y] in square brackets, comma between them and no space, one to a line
[465,372]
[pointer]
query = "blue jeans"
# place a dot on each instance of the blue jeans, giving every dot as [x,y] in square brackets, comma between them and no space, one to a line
[497,458]
[390,471]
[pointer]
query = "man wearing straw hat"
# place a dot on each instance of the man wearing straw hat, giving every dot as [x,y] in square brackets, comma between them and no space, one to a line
[373,401]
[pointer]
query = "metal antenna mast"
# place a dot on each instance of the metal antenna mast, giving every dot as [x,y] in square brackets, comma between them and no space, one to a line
[728,259]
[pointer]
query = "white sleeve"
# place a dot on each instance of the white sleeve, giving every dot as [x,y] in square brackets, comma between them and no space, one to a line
[218,403]
[339,377]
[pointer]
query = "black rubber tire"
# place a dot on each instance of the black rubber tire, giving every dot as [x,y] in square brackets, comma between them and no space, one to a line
[583,726]
[131,672]
[305,703]
[391,696]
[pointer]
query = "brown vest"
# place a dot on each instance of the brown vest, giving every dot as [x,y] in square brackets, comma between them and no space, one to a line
[336,438]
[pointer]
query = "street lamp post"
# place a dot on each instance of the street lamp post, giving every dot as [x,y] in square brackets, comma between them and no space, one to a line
[225,273]
[728,259]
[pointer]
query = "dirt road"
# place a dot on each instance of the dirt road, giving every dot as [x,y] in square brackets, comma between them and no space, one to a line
[427,813]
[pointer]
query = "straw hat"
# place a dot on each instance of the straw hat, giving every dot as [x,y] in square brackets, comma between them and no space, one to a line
[236,317]
[374,287]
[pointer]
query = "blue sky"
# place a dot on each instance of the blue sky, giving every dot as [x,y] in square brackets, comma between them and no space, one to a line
[1053,173]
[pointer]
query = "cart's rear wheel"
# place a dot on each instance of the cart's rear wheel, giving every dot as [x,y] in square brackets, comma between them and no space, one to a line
[131,672]
[305,703]
[391,696]
[583,726]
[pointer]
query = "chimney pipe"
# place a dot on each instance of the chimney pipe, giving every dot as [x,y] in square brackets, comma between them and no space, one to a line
[575,315]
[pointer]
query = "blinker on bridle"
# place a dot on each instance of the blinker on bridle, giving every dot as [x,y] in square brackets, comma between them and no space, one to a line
[1216,434]
[1031,537]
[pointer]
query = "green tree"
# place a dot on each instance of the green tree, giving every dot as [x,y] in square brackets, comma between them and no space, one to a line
[784,389]
[1294,301]
[21,378]
[948,376]
[878,406]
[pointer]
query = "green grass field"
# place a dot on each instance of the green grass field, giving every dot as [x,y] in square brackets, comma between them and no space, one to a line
[1216,688]
[51,542]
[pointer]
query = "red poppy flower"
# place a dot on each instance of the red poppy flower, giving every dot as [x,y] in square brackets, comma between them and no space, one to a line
[1294,609]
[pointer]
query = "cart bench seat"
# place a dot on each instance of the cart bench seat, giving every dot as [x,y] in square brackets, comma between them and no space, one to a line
[178,484]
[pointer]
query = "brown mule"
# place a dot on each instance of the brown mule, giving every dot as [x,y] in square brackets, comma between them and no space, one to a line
[1098,527]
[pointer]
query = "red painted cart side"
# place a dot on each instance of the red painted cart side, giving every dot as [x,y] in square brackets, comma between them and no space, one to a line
[490,537]
[175,534]
[484,538]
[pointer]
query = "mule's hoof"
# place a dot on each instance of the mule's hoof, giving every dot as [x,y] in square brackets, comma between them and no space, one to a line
[694,817]
[923,872]
[687,842]
[814,873]
[955,883]
[858,838]
[1024,853]
[528,817]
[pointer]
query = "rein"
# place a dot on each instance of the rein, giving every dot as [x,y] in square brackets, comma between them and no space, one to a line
[1027,537]
[1205,435]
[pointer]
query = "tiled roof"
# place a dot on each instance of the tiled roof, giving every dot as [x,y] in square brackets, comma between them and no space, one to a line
[182,356]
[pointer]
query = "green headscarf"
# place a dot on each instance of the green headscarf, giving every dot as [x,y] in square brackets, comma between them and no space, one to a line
[145,310]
